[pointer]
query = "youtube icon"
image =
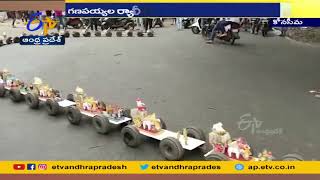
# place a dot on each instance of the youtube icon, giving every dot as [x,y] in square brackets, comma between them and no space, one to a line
[19,166]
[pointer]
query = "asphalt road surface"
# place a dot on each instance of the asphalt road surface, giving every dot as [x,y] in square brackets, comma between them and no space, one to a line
[182,79]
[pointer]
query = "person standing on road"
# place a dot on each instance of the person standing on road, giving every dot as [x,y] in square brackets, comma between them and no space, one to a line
[13,15]
[179,23]
[94,22]
[59,17]
[147,23]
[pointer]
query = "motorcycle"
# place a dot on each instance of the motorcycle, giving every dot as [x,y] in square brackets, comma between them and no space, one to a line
[208,26]
[195,27]
[76,23]
[115,23]
[186,22]
[232,31]
[157,22]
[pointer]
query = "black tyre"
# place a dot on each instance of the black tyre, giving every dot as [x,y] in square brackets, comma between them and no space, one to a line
[16,39]
[140,34]
[217,157]
[109,34]
[101,124]
[2,90]
[131,136]
[97,34]
[150,34]
[9,40]
[87,34]
[76,34]
[32,100]
[1,43]
[70,97]
[119,34]
[15,95]
[67,34]
[52,107]
[195,30]
[197,133]
[292,157]
[130,34]
[171,149]
[74,115]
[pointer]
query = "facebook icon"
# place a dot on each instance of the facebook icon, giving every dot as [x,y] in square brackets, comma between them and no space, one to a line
[31,167]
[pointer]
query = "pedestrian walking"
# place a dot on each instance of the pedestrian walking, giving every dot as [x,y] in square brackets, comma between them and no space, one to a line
[147,22]
[179,23]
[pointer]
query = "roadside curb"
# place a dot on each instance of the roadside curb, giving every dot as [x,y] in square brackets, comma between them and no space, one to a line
[315,45]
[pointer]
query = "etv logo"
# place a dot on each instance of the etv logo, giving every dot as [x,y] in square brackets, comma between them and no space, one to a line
[42,167]
[47,23]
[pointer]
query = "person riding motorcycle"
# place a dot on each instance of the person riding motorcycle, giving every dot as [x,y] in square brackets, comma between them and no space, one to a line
[221,27]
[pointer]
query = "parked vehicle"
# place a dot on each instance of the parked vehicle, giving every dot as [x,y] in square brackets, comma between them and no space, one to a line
[157,22]
[187,22]
[74,23]
[115,23]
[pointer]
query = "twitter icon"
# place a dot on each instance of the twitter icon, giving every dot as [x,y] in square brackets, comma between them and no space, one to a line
[144,166]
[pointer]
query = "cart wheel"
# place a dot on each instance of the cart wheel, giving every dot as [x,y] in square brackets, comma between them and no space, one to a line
[119,33]
[109,33]
[130,34]
[195,30]
[74,115]
[15,95]
[171,149]
[75,34]
[102,124]
[140,34]
[52,107]
[131,136]
[197,133]
[70,97]
[150,34]
[216,157]
[2,90]
[32,100]
[66,34]
[163,124]
[292,157]
[127,113]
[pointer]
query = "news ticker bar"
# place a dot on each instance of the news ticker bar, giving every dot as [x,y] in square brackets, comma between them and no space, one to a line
[289,8]
[173,9]
[159,167]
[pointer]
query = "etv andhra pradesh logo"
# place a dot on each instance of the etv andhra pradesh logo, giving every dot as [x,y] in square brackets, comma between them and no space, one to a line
[44,22]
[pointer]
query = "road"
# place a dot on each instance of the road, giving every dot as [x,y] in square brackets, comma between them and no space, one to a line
[182,79]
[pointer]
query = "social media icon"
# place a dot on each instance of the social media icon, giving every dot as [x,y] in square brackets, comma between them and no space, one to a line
[31,167]
[239,167]
[19,166]
[42,167]
[144,166]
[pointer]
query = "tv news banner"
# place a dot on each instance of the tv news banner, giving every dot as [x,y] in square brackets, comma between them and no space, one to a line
[38,22]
